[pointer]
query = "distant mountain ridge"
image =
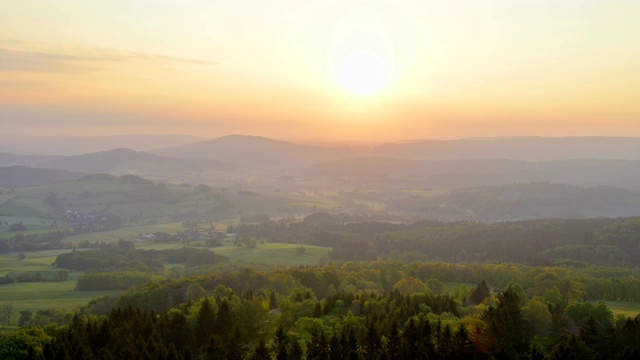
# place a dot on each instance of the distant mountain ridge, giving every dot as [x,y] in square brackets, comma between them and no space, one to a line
[74,145]
[125,161]
[449,174]
[23,176]
[443,164]
[255,150]
[527,149]
[258,151]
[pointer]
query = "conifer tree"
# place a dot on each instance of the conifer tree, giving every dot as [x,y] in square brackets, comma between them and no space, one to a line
[224,321]
[280,344]
[205,323]
[235,348]
[461,344]
[260,352]
[507,326]
[480,293]
[394,340]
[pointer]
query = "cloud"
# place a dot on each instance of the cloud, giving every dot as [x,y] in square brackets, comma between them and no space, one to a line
[39,62]
[49,62]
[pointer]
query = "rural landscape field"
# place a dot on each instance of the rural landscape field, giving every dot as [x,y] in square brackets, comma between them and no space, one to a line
[311,180]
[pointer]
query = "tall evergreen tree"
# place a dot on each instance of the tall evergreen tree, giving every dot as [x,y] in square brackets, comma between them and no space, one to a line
[461,344]
[394,341]
[236,348]
[224,321]
[509,330]
[295,351]
[280,344]
[480,293]
[205,323]
[260,352]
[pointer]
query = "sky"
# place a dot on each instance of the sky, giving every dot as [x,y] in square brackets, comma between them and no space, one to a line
[321,70]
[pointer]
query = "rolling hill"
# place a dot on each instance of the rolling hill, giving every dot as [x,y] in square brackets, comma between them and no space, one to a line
[449,174]
[22,176]
[124,161]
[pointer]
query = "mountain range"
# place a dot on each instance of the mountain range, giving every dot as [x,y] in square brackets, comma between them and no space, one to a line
[584,161]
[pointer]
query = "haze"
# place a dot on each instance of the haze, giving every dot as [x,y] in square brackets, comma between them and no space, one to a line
[445,69]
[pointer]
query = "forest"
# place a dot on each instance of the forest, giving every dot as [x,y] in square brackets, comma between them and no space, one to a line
[354,310]
[201,272]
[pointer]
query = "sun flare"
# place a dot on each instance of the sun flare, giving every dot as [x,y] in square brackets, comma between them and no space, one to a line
[362,72]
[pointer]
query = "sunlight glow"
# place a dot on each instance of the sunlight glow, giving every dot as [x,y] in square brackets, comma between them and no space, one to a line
[362,72]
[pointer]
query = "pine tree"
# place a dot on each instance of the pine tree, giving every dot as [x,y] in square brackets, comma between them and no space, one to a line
[235,348]
[280,344]
[480,293]
[335,350]
[213,350]
[224,321]
[372,342]
[260,352]
[461,344]
[507,326]
[295,351]
[394,341]
[205,323]
[273,304]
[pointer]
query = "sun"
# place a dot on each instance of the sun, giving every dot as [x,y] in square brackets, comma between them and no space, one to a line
[362,72]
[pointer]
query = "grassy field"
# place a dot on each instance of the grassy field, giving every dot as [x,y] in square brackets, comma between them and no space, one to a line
[274,254]
[126,233]
[631,309]
[46,295]
[267,253]
[34,261]
[37,296]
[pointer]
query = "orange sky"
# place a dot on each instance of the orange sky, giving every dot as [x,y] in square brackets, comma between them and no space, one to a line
[275,68]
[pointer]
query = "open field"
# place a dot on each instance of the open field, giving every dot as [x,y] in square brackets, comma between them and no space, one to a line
[274,254]
[630,309]
[126,233]
[35,296]
[268,253]
[34,261]
[46,295]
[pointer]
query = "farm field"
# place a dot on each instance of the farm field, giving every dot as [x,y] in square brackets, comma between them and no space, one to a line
[35,296]
[126,233]
[275,254]
[46,295]
[61,295]
[630,308]
[34,261]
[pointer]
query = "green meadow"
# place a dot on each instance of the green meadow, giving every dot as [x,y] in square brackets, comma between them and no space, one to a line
[630,308]
[274,254]
[35,296]
[126,233]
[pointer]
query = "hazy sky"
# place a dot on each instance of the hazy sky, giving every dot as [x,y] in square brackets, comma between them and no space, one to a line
[294,69]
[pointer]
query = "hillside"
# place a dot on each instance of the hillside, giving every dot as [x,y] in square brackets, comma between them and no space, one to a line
[259,151]
[255,150]
[521,201]
[525,148]
[70,145]
[11,159]
[123,161]
[22,176]
[451,174]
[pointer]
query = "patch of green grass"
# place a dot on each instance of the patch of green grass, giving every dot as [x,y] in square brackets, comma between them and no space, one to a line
[630,309]
[158,246]
[127,233]
[268,253]
[274,254]
[46,295]
[34,261]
